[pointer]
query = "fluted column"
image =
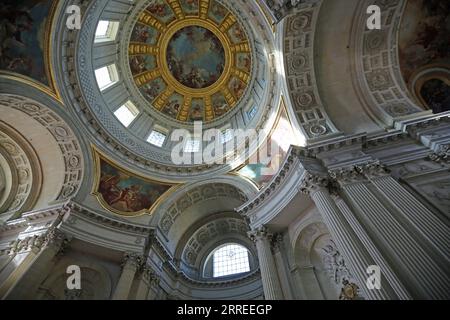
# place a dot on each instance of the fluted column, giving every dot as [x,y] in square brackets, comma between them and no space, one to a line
[281,267]
[147,281]
[353,251]
[269,274]
[132,262]
[154,287]
[33,270]
[424,278]
[421,219]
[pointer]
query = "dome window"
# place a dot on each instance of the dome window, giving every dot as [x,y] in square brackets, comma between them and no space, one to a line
[127,113]
[192,146]
[227,135]
[106,31]
[156,138]
[106,76]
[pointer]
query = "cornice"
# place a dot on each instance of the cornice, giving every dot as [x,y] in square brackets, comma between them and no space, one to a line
[205,283]
[112,222]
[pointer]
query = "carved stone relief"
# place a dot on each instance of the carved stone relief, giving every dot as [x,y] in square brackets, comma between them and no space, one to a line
[300,75]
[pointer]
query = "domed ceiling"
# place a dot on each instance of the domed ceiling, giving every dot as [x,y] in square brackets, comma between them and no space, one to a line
[190,59]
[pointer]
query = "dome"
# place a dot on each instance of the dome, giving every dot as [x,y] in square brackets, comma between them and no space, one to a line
[152,68]
[190,63]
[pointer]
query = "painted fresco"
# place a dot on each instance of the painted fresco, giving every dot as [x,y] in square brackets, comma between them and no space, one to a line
[237,34]
[144,34]
[244,61]
[237,87]
[190,7]
[197,110]
[161,10]
[217,12]
[436,94]
[22,37]
[282,138]
[195,57]
[127,193]
[140,64]
[153,89]
[424,35]
[219,104]
[173,105]
[192,54]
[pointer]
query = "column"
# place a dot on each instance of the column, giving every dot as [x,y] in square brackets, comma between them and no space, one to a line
[419,272]
[269,275]
[430,227]
[39,262]
[280,264]
[132,262]
[299,289]
[146,284]
[349,245]
[154,287]
[392,280]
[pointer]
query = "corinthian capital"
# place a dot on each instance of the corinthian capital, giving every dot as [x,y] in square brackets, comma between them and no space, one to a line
[260,233]
[442,156]
[277,242]
[313,182]
[373,170]
[346,176]
[132,260]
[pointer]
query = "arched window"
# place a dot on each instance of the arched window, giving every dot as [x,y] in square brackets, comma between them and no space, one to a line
[230,259]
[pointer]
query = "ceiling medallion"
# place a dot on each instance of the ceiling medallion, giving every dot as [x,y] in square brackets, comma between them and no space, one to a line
[190,59]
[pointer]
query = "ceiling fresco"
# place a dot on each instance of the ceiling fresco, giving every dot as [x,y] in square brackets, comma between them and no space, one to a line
[125,193]
[190,59]
[424,40]
[24,40]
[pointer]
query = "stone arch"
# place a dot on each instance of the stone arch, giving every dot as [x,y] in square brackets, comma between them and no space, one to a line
[206,235]
[376,68]
[53,138]
[21,171]
[207,197]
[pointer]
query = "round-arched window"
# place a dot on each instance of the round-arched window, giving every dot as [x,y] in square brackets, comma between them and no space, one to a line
[229,259]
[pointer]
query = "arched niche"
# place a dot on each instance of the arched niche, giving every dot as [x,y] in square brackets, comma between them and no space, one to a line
[96,283]
[323,273]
